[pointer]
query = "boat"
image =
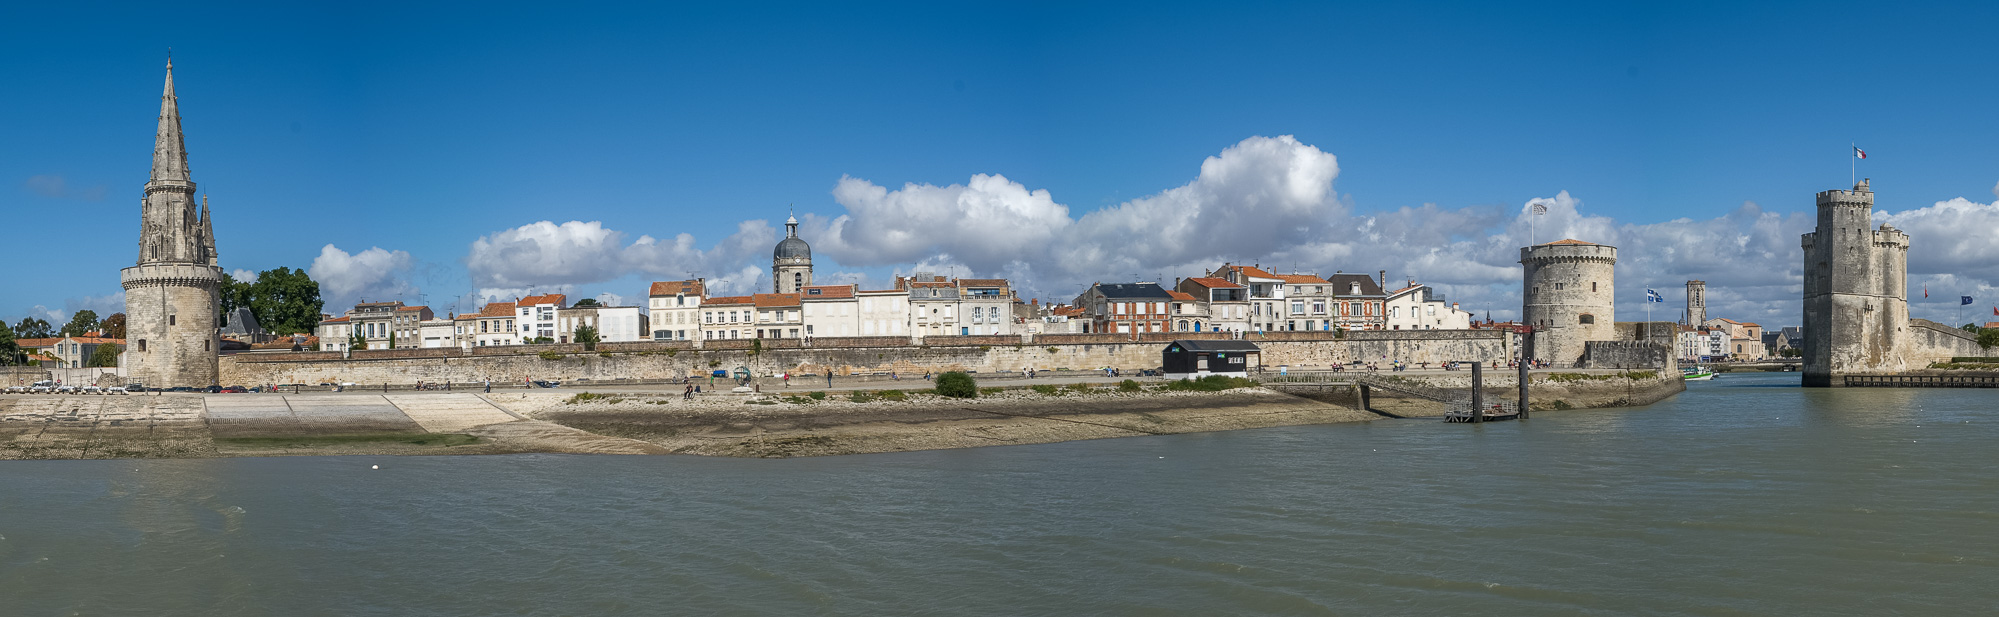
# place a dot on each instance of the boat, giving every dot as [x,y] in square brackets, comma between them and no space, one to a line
[1696,373]
[1494,413]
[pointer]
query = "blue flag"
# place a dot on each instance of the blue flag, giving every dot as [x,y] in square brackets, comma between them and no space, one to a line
[1963,300]
[1653,296]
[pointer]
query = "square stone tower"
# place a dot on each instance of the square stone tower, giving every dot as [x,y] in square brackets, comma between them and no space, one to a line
[1696,303]
[171,306]
[1856,296]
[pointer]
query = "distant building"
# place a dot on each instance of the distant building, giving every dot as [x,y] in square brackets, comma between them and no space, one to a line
[1307,302]
[831,310]
[1126,308]
[536,315]
[791,261]
[1361,304]
[884,312]
[1418,307]
[614,324]
[675,309]
[67,351]
[1224,304]
[497,325]
[1266,294]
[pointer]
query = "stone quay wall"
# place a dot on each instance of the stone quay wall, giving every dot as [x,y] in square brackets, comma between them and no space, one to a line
[1929,341]
[664,360]
[1628,355]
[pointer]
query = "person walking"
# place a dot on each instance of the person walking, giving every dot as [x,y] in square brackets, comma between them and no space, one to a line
[688,394]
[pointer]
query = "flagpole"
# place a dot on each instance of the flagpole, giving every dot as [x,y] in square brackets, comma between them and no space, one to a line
[1853,166]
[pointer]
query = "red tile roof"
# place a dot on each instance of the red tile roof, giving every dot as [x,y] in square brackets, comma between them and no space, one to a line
[981,282]
[1181,295]
[669,288]
[340,319]
[497,309]
[555,299]
[775,300]
[728,300]
[1253,271]
[412,308]
[1302,279]
[826,292]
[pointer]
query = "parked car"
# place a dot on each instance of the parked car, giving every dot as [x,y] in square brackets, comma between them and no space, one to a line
[211,389]
[229,390]
[135,387]
[90,389]
[179,389]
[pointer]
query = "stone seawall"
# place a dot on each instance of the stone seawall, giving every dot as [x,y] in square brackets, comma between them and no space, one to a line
[656,361]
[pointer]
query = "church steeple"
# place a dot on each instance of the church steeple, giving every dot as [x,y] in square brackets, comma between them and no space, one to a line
[169,152]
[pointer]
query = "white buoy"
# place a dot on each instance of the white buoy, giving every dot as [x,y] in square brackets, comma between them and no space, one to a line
[374,466]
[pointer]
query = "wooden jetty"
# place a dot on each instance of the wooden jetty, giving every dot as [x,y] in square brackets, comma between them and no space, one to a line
[1975,380]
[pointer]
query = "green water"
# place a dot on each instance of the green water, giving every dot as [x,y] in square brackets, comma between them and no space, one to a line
[1743,496]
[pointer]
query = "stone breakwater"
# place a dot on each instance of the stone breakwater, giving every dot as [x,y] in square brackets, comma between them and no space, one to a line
[984,355]
[196,426]
[1546,391]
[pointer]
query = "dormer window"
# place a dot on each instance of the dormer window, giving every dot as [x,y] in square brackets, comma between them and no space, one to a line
[1353,288]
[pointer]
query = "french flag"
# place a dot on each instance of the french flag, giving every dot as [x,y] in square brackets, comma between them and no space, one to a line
[1859,153]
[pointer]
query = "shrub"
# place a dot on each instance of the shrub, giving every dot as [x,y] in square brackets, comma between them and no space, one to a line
[892,395]
[1047,389]
[957,384]
[714,363]
[1052,349]
[1079,387]
[991,391]
[818,396]
[671,352]
[797,400]
[585,397]
[860,396]
[1211,383]
[604,354]
[1128,385]
[551,355]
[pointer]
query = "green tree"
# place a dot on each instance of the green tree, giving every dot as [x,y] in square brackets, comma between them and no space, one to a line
[587,336]
[105,356]
[587,302]
[285,301]
[957,384]
[30,327]
[358,341]
[10,349]
[1969,327]
[84,321]
[233,294]
[1988,338]
[113,326]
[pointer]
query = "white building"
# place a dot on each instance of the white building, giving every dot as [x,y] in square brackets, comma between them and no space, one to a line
[1696,343]
[1419,307]
[831,310]
[1266,295]
[884,312]
[614,324]
[335,334]
[675,309]
[536,316]
[438,332]
[1225,305]
[985,306]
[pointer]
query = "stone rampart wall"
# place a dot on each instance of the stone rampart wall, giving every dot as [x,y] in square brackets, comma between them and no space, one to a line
[1627,355]
[1414,346]
[1929,341]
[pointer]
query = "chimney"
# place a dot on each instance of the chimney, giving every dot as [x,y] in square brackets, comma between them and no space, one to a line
[1384,280]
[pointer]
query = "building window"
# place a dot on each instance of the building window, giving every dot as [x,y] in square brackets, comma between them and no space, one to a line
[142,344]
[1587,318]
[170,320]
[1592,285]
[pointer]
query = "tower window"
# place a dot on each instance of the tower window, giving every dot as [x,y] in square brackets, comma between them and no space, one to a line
[142,344]
[170,320]
[1587,319]
[1592,286]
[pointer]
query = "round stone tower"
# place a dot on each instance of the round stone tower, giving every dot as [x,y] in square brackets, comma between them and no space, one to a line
[791,262]
[1568,292]
[171,306]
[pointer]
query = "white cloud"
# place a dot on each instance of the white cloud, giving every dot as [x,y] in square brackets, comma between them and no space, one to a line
[243,276]
[547,257]
[375,274]
[103,305]
[52,185]
[1264,200]
[1995,190]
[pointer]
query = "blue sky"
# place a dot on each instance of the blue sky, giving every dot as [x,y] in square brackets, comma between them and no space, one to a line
[427,130]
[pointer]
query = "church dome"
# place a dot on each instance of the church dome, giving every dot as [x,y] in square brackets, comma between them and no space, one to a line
[792,248]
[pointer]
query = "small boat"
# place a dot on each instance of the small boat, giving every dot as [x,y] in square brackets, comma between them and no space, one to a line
[1491,414]
[1696,373]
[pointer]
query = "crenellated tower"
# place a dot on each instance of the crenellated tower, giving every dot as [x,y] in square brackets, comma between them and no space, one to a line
[171,303]
[1856,296]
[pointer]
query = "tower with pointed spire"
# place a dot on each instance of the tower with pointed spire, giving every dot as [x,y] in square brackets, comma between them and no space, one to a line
[171,302]
[791,263]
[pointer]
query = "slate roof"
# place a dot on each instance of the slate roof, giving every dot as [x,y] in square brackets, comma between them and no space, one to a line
[1207,345]
[1342,282]
[1141,291]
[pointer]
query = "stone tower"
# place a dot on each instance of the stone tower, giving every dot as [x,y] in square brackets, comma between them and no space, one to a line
[791,263]
[171,305]
[1856,290]
[1567,294]
[1696,303]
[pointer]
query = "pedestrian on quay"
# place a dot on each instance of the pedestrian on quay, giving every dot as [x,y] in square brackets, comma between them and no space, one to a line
[787,380]
[829,378]
[688,394]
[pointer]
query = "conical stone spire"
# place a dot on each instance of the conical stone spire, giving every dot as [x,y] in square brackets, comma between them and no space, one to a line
[169,153]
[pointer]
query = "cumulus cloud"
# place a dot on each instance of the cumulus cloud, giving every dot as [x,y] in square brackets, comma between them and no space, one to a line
[549,257]
[375,274]
[104,305]
[1265,200]
[243,276]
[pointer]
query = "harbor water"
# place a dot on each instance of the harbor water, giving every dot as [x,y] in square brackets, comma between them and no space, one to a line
[1746,495]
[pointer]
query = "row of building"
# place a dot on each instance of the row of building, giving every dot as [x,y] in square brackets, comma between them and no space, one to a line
[1231,298]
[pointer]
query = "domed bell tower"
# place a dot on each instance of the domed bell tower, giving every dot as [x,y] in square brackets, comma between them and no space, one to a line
[791,263]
